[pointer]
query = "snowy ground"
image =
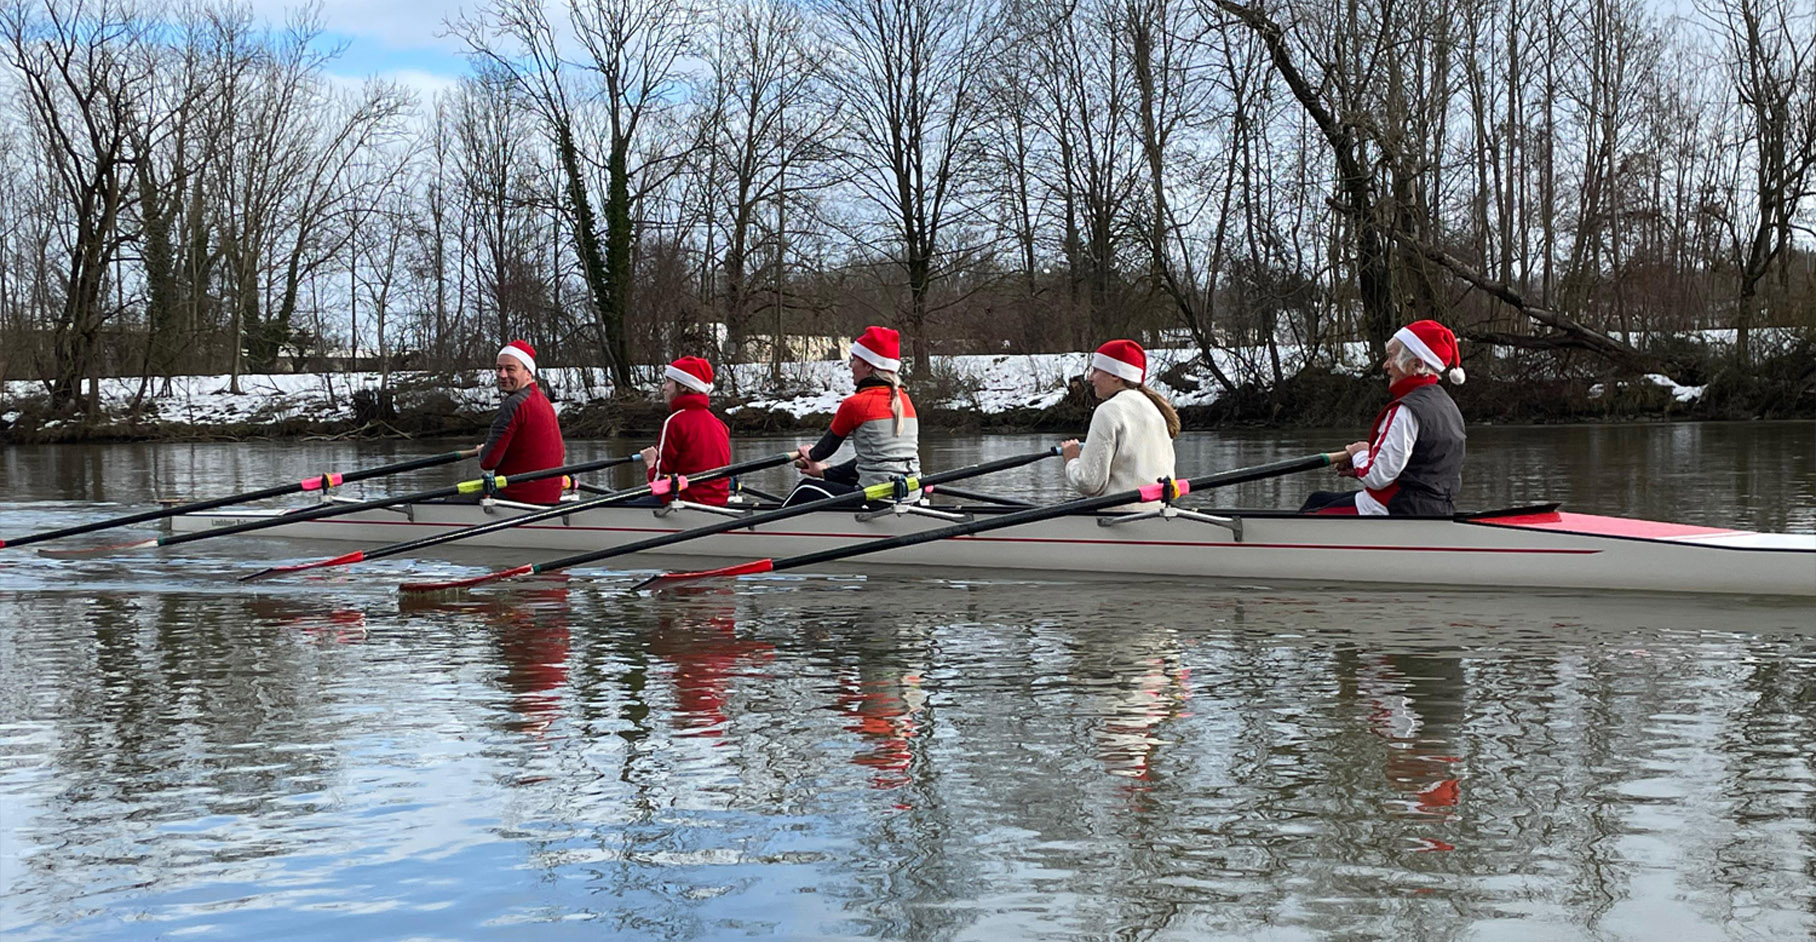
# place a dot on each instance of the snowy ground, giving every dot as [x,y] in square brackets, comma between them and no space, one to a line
[987,384]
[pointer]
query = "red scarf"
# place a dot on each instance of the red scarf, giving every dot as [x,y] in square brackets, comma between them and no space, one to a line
[1397,390]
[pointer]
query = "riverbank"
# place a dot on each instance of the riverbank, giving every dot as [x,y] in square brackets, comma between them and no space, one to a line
[1041,393]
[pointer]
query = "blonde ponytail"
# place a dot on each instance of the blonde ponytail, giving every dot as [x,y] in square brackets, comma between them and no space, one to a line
[895,395]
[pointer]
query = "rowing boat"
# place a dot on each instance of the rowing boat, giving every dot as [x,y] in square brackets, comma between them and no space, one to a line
[1538,546]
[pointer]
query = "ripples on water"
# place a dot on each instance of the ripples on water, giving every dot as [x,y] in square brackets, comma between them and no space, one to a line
[905,756]
[898,757]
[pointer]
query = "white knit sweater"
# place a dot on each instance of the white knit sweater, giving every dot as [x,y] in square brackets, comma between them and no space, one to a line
[1126,448]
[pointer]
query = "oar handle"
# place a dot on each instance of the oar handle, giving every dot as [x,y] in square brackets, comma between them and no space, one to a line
[281,490]
[658,486]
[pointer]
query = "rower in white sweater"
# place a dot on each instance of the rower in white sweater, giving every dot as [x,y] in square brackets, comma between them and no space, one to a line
[1130,443]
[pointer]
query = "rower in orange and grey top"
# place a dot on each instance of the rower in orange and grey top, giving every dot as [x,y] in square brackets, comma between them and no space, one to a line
[525,435]
[879,420]
[1412,464]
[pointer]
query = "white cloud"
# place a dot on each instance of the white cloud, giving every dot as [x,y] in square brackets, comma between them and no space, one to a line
[398,24]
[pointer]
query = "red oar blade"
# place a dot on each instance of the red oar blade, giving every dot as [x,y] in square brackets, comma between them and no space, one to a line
[421,588]
[346,559]
[742,569]
[92,551]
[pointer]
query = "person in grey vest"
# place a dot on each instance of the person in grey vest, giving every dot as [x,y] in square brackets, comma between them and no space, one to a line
[1412,463]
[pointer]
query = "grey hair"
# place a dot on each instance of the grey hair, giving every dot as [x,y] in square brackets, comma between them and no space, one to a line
[1410,361]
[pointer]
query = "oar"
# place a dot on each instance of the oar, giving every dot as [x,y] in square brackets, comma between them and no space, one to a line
[475,486]
[963,494]
[873,492]
[658,486]
[1016,518]
[307,484]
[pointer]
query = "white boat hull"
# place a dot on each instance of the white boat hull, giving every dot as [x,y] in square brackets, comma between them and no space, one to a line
[1513,549]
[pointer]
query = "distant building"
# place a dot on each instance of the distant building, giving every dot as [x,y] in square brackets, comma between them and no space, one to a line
[759,348]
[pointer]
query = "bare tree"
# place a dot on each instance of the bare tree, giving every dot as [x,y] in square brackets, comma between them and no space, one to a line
[86,67]
[1769,58]
[631,51]
[910,73]
[763,114]
[1165,109]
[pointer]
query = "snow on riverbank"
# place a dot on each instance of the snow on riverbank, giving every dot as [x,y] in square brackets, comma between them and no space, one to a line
[985,384]
[982,384]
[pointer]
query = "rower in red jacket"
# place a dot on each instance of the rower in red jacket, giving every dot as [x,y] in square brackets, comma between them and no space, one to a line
[693,439]
[525,434]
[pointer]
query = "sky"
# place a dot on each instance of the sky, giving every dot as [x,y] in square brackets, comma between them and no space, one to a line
[403,40]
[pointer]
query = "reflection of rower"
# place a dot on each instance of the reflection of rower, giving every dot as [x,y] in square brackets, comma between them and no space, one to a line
[1149,687]
[1411,703]
[338,625]
[884,712]
[533,643]
[707,655]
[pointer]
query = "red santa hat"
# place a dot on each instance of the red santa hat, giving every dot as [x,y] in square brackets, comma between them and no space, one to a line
[522,352]
[1123,359]
[691,372]
[880,347]
[1434,344]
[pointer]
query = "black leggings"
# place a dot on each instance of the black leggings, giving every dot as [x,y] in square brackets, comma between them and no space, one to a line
[1321,500]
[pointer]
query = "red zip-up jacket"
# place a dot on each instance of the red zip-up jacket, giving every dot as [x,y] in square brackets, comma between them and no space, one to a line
[694,440]
[525,437]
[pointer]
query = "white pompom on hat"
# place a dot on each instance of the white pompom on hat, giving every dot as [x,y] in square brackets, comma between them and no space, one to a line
[1435,345]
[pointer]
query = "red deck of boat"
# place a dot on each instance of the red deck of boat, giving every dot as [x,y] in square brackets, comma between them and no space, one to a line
[1607,526]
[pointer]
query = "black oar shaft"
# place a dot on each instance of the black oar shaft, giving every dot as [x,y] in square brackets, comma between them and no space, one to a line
[281,490]
[784,513]
[1033,514]
[963,494]
[335,510]
[563,510]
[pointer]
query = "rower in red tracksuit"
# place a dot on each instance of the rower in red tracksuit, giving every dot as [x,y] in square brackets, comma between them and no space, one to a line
[693,439]
[525,434]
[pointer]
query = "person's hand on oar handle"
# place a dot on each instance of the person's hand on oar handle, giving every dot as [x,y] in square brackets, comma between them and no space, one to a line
[648,456]
[1070,449]
[1343,461]
[806,465]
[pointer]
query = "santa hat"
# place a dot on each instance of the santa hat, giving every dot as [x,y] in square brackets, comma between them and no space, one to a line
[522,351]
[880,347]
[1433,343]
[692,372]
[1123,359]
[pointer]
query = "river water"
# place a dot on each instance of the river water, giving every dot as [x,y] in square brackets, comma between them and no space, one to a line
[901,755]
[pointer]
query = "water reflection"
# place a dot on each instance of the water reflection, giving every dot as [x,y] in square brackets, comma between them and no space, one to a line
[900,756]
[1411,703]
[705,654]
